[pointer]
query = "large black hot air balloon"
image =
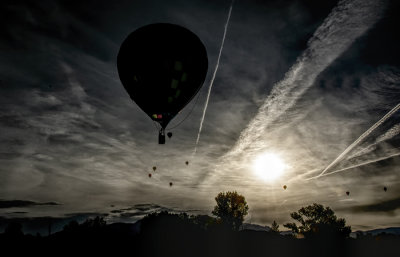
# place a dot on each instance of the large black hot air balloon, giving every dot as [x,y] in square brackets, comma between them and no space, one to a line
[162,67]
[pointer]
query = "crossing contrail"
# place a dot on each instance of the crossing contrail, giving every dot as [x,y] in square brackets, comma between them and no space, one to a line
[213,76]
[361,138]
[392,132]
[356,166]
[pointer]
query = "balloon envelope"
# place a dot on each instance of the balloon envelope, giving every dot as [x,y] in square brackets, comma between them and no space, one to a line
[162,67]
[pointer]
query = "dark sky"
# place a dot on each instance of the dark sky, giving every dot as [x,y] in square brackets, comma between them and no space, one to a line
[303,81]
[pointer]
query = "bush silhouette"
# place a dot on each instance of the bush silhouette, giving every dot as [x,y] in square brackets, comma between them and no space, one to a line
[231,209]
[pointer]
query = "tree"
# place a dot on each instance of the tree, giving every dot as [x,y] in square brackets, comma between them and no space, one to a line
[96,223]
[316,220]
[71,227]
[13,229]
[231,209]
[274,227]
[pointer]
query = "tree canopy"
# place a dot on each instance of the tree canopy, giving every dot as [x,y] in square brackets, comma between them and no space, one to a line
[274,227]
[317,220]
[231,209]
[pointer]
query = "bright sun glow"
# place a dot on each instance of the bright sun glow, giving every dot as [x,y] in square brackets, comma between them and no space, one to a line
[269,166]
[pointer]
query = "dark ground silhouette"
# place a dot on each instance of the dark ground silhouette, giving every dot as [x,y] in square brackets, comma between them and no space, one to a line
[165,234]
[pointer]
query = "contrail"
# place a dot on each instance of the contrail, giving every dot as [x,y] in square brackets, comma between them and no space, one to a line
[361,138]
[348,20]
[356,166]
[392,132]
[213,76]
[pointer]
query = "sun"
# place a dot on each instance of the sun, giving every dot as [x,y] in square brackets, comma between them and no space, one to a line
[269,166]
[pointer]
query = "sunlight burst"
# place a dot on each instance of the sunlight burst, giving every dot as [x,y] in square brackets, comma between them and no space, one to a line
[269,166]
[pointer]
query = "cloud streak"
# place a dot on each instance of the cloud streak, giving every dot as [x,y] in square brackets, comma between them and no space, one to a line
[347,22]
[21,203]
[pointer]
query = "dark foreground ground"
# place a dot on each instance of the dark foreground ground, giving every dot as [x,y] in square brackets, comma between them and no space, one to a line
[172,236]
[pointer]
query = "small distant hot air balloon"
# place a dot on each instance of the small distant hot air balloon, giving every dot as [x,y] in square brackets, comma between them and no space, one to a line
[149,175]
[187,163]
[385,189]
[170,184]
[284,187]
[154,168]
[347,193]
[169,134]
[162,67]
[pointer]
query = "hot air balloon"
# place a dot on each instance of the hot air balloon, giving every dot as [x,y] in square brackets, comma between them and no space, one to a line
[385,189]
[170,184]
[154,168]
[169,134]
[347,193]
[187,163]
[284,187]
[149,175]
[162,67]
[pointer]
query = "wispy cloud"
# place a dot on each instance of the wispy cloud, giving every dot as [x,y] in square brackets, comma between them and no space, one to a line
[340,29]
[21,203]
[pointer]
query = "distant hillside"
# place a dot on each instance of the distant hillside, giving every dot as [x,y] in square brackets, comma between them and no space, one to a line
[255,227]
[374,232]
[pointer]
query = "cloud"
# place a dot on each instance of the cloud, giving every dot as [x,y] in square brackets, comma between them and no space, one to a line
[69,132]
[138,211]
[388,206]
[22,203]
[45,224]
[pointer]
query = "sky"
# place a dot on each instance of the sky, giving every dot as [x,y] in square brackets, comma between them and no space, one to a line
[305,87]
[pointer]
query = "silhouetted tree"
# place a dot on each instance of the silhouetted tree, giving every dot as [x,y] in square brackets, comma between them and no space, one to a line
[274,227]
[13,229]
[72,226]
[231,208]
[203,221]
[95,223]
[317,220]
